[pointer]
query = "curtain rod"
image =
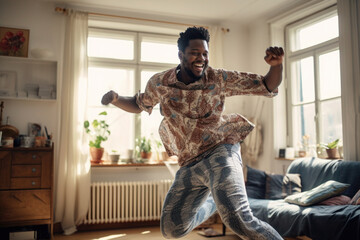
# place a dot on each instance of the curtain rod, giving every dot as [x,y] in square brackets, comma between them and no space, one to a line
[64,11]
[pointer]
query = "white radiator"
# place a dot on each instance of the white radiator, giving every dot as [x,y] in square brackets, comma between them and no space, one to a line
[114,202]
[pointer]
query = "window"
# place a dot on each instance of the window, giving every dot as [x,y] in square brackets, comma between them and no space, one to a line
[313,70]
[124,61]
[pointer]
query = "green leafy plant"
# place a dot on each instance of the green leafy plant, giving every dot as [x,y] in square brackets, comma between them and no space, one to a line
[331,145]
[144,144]
[98,131]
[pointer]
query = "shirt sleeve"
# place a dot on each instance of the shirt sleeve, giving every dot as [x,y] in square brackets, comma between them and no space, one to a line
[244,83]
[147,100]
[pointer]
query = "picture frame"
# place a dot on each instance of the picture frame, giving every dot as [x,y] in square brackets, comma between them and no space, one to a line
[34,129]
[14,42]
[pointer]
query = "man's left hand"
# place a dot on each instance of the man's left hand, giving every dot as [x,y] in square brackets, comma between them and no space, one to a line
[274,56]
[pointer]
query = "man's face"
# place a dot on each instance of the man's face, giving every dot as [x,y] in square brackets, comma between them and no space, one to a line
[195,59]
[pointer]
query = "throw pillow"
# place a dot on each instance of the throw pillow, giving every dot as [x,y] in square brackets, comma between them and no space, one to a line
[280,186]
[356,199]
[324,191]
[338,200]
[255,183]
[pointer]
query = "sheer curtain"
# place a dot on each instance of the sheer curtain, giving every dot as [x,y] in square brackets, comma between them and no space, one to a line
[72,185]
[215,47]
[349,41]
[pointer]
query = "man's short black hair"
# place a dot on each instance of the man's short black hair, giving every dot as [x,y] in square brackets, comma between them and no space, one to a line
[190,34]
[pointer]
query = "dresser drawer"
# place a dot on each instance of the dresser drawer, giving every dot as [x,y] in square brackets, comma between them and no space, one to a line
[31,157]
[25,170]
[25,183]
[24,205]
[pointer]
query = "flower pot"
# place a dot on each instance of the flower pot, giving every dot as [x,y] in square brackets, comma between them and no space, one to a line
[114,158]
[332,153]
[96,154]
[145,155]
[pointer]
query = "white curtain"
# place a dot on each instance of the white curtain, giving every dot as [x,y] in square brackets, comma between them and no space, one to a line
[349,41]
[72,185]
[215,47]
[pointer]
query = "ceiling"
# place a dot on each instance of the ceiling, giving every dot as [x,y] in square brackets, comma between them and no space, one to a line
[209,11]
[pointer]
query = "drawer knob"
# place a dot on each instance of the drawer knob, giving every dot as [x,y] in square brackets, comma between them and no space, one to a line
[33,169]
[34,156]
[33,183]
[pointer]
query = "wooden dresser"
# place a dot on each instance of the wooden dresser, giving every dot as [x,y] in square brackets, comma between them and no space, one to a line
[26,188]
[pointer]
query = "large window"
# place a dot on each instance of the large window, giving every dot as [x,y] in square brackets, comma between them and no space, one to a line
[124,61]
[313,70]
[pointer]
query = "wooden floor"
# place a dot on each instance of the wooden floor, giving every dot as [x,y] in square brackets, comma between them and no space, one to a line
[149,233]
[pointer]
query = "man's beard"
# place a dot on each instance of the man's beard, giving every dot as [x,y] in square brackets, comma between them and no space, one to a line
[192,75]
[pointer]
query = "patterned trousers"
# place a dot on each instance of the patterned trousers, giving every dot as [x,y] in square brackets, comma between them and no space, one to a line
[216,182]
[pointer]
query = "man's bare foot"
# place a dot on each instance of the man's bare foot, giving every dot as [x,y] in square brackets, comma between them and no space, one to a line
[108,97]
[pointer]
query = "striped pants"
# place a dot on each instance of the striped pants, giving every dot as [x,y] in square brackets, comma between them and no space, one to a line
[216,182]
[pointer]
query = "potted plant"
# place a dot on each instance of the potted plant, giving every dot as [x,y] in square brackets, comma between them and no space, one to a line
[99,132]
[331,149]
[143,146]
[114,156]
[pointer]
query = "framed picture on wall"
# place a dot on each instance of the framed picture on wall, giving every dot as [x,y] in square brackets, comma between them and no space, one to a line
[14,42]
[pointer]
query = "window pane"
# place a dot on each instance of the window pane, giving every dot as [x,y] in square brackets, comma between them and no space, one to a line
[304,124]
[331,121]
[329,68]
[111,48]
[121,127]
[150,124]
[303,80]
[102,80]
[159,50]
[318,32]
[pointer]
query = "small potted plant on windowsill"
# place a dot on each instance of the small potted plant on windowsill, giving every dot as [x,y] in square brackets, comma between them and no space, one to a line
[332,149]
[99,132]
[114,156]
[143,146]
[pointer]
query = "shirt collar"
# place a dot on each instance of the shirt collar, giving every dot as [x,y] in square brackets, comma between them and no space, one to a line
[174,78]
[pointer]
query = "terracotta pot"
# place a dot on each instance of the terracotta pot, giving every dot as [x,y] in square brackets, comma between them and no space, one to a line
[146,155]
[333,153]
[96,154]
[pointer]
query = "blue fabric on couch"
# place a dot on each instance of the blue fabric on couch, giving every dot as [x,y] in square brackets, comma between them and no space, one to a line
[317,222]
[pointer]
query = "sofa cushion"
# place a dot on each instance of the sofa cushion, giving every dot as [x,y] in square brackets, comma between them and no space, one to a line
[255,183]
[315,171]
[337,200]
[317,222]
[326,190]
[280,186]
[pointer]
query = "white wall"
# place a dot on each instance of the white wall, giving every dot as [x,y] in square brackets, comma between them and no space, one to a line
[243,48]
[46,31]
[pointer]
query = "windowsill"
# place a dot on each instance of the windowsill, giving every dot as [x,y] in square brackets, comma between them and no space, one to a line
[120,164]
[286,159]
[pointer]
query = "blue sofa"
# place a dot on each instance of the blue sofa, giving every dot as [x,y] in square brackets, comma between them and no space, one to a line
[318,222]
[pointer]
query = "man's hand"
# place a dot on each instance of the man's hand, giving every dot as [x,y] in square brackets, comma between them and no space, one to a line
[274,56]
[109,97]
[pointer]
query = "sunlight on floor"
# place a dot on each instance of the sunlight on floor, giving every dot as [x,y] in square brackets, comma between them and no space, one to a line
[113,236]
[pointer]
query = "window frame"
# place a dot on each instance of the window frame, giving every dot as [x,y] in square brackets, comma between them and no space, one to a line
[135,64]
[292,56]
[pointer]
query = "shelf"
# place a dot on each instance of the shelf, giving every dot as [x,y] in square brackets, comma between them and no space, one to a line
[27,78]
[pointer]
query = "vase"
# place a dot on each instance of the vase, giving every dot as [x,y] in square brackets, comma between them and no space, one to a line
[145,155]
[96,154]
[332,153]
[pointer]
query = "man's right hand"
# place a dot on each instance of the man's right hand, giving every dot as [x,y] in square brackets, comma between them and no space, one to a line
[109,97]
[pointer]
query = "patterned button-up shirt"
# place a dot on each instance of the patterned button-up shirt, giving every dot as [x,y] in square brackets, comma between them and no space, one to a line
[193,121]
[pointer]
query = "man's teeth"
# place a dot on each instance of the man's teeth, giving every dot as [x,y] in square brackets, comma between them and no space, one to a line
[199,65]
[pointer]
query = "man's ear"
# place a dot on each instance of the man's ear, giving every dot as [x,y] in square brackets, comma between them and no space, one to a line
[180,55]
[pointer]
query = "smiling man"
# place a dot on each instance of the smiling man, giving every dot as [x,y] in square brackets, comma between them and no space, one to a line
[206,142]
